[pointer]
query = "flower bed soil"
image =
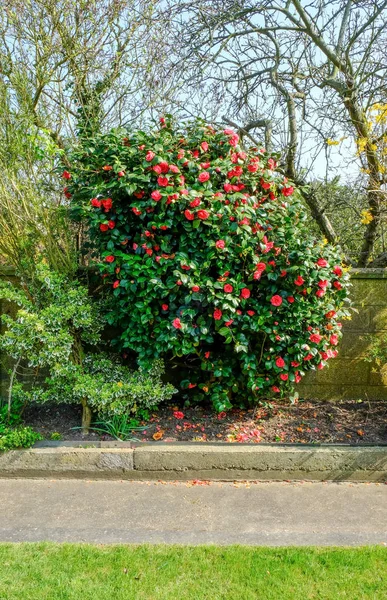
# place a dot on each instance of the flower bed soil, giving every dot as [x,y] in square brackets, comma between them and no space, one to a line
[306,422]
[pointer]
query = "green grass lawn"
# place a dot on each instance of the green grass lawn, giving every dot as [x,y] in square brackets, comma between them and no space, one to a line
[83,572]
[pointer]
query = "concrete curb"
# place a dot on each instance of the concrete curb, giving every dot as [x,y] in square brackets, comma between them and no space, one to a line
[184,461]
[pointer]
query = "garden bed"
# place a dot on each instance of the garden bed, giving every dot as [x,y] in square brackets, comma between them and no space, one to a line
[306,422]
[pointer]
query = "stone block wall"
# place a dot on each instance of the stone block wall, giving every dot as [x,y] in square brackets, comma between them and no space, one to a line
[348,376]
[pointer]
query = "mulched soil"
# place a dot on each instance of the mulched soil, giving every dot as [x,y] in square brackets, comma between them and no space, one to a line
[307,422]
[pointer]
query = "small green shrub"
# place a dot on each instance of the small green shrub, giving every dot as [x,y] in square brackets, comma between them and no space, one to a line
[60,331]
[22,437]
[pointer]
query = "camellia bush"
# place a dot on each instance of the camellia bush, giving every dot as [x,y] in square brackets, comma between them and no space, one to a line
[203,248]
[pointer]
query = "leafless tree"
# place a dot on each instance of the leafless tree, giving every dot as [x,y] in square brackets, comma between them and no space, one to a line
[59,57]
[304,74]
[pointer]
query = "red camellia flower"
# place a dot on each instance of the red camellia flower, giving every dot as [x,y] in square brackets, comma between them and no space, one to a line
[203,214]
[177,324]
[275,389]
[156,169]
[111,224]
[322,262]
[207,355]
[320,293]
[178,415]
[334,340]
[315,338]
[338,271]
[121,173]
[164,166]
[150,155]
[330,314]
[266,185]
[299,280]
[66,175]
[297,378]
[287,191]
[136,211]
[280,363]
[110,259]
[337,285]
[194,203]
[271,163]
[204,146]
[95,203]
[189,215]
[104,227]
[217,314]
[290,299]
[204,176]
[195,288]
[228,288]
[163,181]
[164,306]
[220,244]
[245,293]
[251,313]
[276,300]
[156,195]
[323,284]
[284,376]
[107,204]
[116,284]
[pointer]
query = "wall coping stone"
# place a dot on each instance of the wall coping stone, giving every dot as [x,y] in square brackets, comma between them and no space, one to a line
[204,461]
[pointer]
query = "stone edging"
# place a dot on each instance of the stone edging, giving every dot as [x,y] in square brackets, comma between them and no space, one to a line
[198,461]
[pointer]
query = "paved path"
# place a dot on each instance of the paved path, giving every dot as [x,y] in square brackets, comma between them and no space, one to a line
[221,513]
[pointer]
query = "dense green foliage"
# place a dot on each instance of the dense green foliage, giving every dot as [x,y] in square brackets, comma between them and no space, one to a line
[204,248]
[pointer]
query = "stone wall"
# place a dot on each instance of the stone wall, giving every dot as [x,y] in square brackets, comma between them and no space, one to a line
[348,376]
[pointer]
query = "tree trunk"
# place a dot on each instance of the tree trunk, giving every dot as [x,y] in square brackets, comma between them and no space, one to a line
[319,216]
[86,417]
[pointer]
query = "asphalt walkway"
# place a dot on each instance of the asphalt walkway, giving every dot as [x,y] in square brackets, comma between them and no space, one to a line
[193,513]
